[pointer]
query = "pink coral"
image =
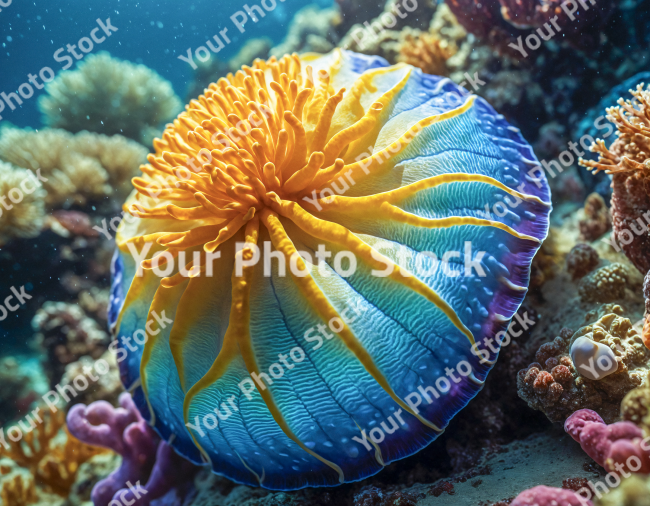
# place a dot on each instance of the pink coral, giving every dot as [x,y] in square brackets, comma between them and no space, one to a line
[617,447]
[549,496]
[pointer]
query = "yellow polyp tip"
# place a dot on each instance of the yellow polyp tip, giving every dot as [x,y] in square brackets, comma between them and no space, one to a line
[249,215]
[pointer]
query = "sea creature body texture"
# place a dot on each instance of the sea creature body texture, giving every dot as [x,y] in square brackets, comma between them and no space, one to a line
[346,352]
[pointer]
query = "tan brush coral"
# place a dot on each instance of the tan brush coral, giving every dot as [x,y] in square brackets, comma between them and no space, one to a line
[554,386]
[426,51]
[52,460]
[27,216]
[109,96]
[17,487]
[77,167]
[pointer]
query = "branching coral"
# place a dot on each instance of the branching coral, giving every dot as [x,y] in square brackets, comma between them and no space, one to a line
[628,161]
[618,447]
[311,30]
[426,51]
[77,167]
[17,487]
[144,457]
[52,462]
[109,96]
[27,216]
[553,384]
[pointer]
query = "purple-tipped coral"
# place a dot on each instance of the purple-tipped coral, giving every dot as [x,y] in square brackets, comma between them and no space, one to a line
[145,458]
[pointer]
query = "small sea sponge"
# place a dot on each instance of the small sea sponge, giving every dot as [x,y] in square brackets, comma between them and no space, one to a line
[554,385]
[591,359]
[27,216]
[109,96]
[597,219]
[426,51]
[581,260]
[628,161]
[77,167]
[607,284]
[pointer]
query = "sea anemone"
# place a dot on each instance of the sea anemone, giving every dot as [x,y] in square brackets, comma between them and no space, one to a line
[367,166]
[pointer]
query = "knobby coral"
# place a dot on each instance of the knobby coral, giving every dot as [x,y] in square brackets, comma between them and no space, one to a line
[75,167]
[109,96]
[635,407]
[618,447]
[289,134]
[553,384]
[597,218]
[628,161]
[144,457]
[27,215]
[549,496]
[581,260]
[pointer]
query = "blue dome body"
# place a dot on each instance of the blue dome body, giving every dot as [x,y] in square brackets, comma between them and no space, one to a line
[331,406]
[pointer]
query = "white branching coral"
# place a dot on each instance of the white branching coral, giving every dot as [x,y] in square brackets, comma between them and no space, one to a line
[109,96]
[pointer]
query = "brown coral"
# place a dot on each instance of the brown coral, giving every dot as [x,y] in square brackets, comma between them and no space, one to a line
[628,160]
[66,334]
[581,260]
[552,384]
[607,284]
[597,219]
[426,51]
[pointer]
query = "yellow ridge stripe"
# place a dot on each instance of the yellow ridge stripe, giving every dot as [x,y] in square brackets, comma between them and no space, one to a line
[365,167]
[350,204]
[395,213]
[312,293]
[138,284]
[238,322]
[333,232]
[164,298]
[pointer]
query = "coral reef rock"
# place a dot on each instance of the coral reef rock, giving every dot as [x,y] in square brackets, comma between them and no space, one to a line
[635,407]
[553,385]
[109,96]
